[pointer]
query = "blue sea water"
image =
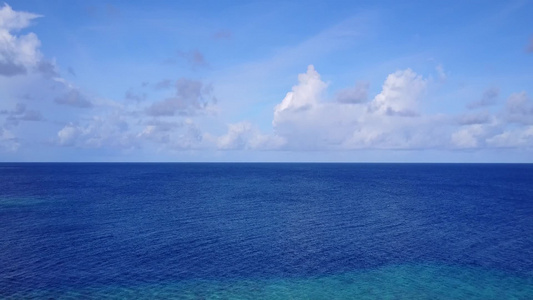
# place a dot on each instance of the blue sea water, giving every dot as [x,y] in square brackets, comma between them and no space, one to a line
[266,231]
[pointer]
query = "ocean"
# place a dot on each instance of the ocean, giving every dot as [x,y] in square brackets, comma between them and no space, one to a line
[266,231]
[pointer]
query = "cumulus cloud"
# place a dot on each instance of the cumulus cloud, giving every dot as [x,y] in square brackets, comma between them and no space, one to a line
[513,138]
[511,127]
[303,96]
[191,97]
[244,135]
[97,132]
[488,98]
[468,136]
[18,53]
[67,135]
[173,135]
[306,121]
[399,94]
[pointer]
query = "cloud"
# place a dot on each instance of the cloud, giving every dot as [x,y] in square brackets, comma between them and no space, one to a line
[12,20]
[244,135]
[468,136]
[357,94]
[20,113]
[191,97]
[511,127]
[18,53]
[48,69]
[306,121]
[477,118]
[8,141]
[67,135]
[488,98]
[304,95]
[181,135]
[391,120]
[74,98]
[399,94]
[514,138]
[194,58]
[136,97]
[159,131]
[519,109]
[98,132]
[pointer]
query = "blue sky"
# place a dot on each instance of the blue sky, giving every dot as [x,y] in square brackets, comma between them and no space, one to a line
[354,81]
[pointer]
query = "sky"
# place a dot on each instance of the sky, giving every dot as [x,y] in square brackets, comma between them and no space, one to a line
[266,81]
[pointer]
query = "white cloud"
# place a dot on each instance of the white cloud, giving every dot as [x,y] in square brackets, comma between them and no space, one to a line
[98,132]
[67,135]
[468,136]
[392,120]
[306,121]
[514,138]
[399,94]
[244,135]
[19,53]
[12,20]
[181,135]
[304,95]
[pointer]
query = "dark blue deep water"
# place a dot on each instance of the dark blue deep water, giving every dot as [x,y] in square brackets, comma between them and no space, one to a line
[266,231]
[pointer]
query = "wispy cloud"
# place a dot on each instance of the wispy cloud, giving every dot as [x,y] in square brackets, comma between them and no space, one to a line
[488,98]
[191,97]
[73,98]
[194,58]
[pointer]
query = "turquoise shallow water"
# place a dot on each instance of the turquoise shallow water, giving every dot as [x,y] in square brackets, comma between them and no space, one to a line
[425,281]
